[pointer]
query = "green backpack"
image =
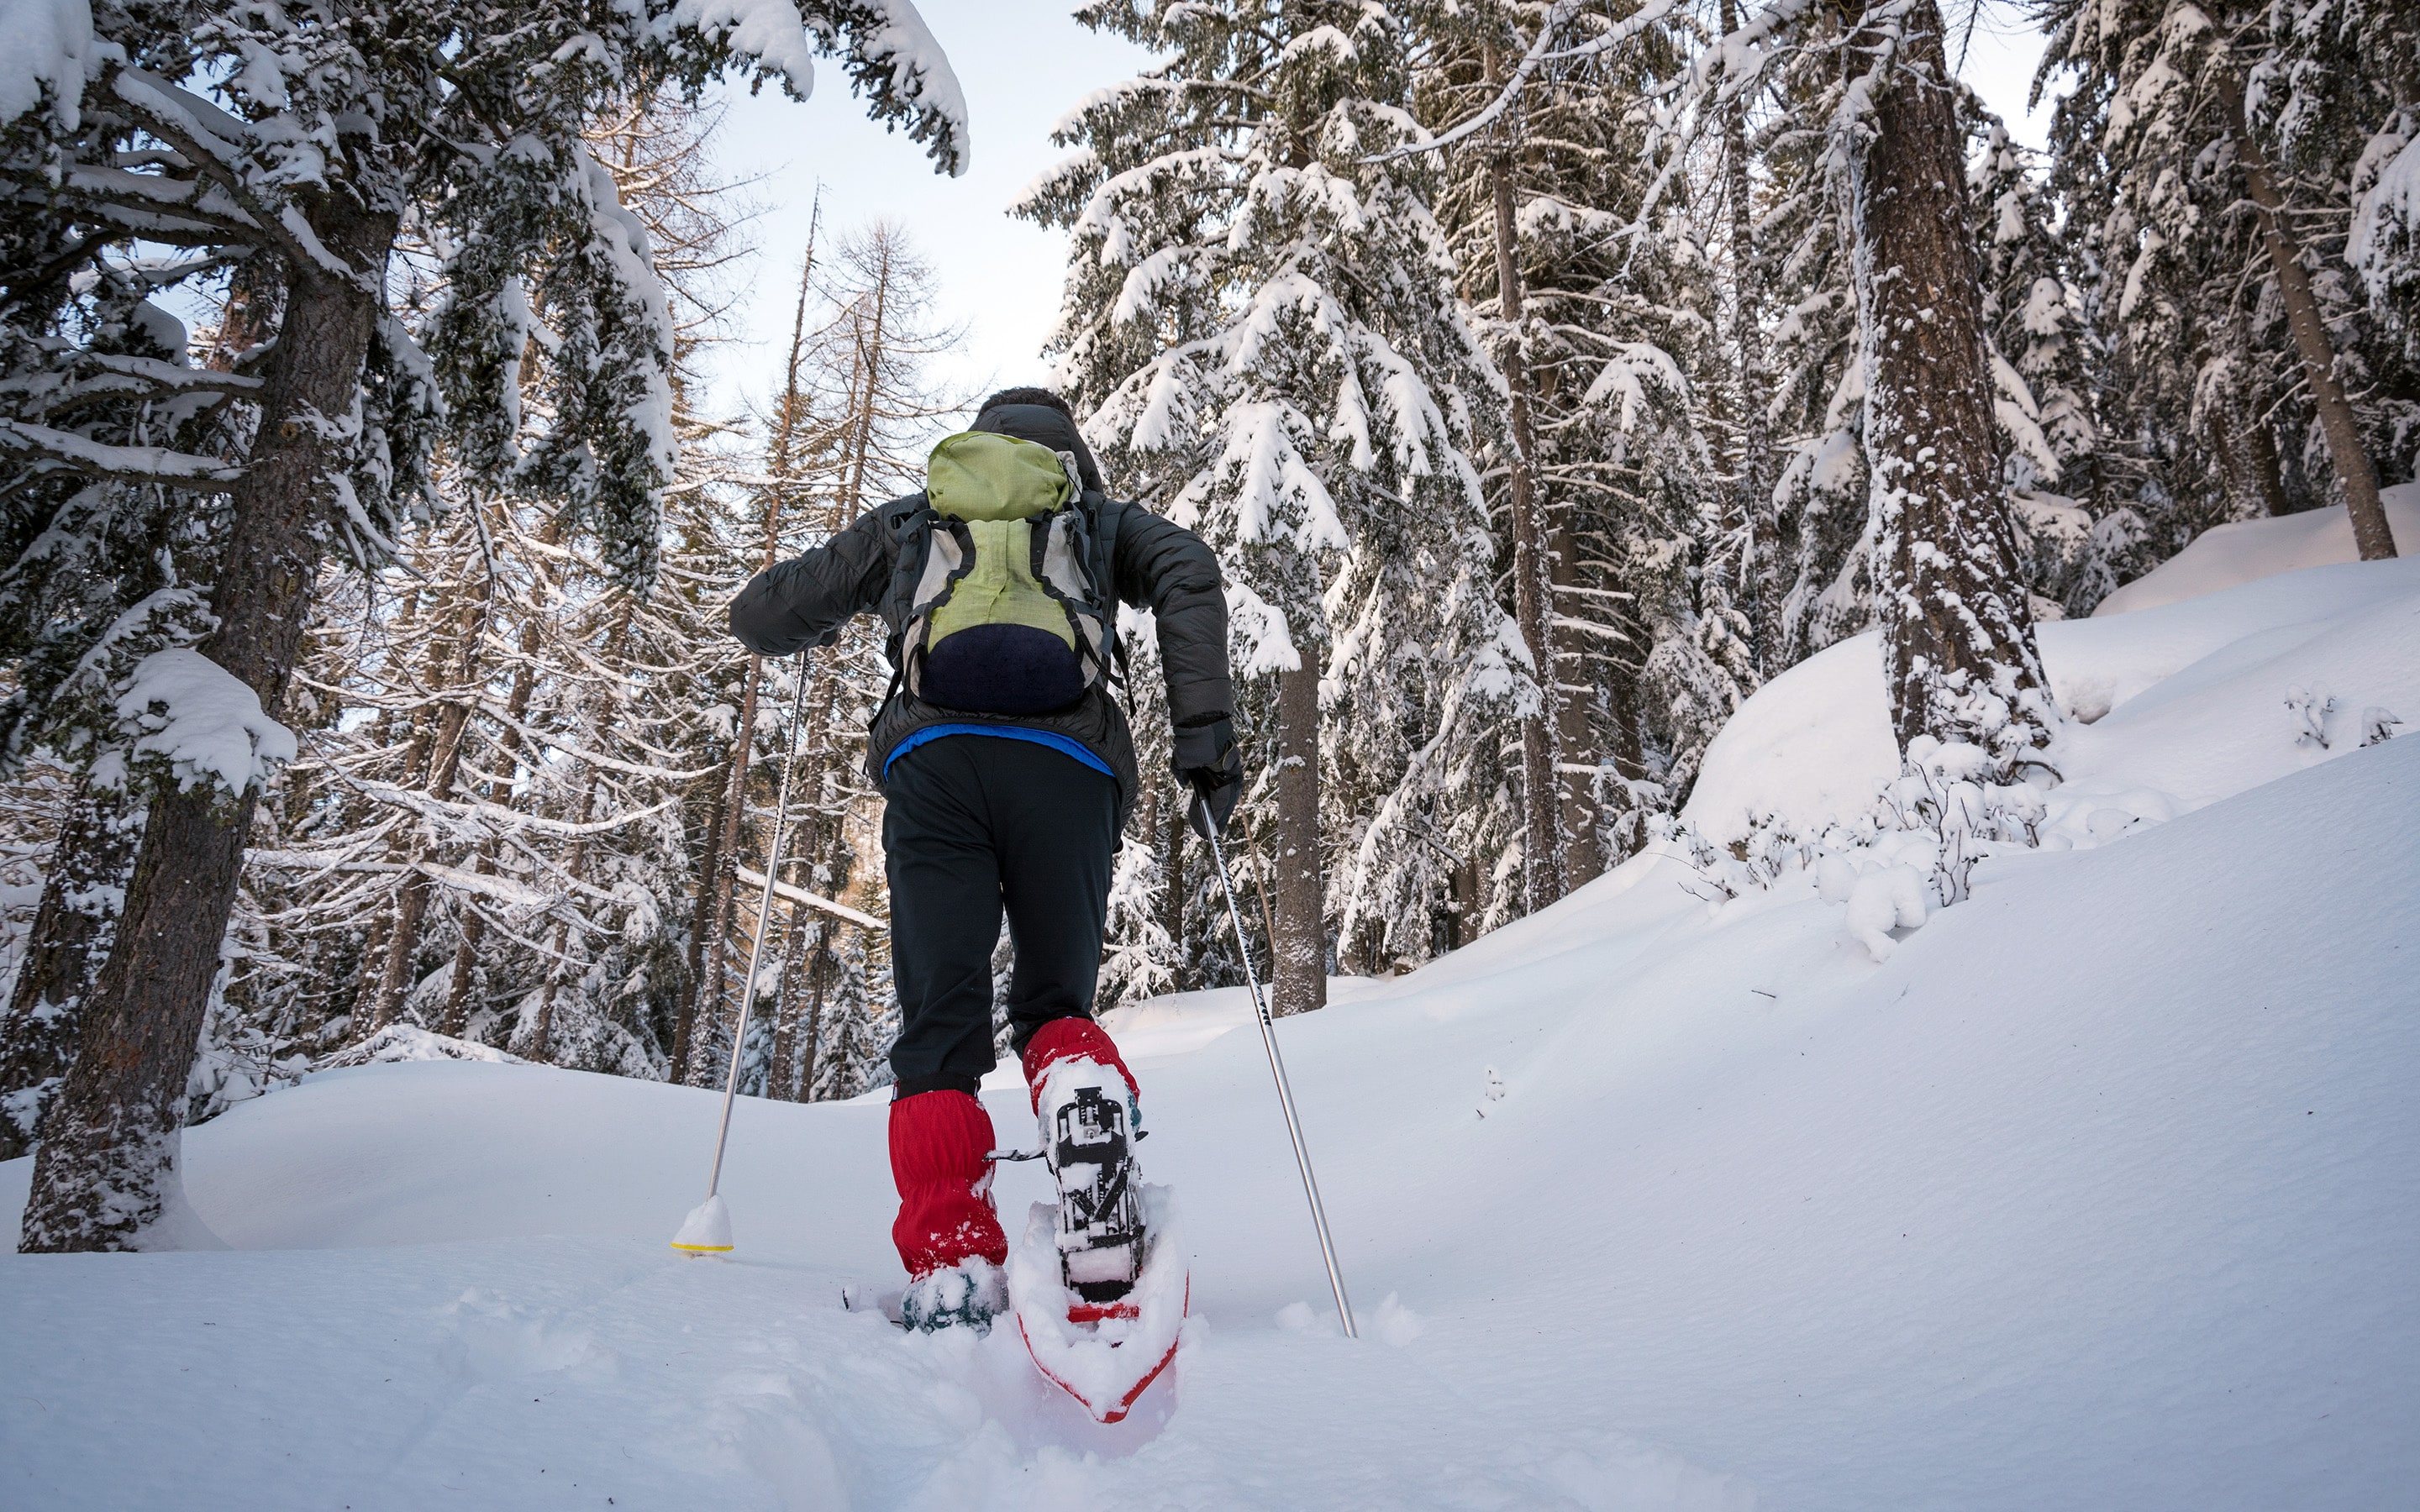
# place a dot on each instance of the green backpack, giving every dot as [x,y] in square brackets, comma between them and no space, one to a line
[1008,613]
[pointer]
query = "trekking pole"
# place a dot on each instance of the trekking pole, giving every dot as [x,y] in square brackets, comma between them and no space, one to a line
[1285,1093]
[707,1228]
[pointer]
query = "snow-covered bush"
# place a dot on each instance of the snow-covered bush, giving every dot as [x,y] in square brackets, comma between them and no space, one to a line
[1911,855]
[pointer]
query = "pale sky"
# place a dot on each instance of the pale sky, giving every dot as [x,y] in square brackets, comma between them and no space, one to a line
[1023,64]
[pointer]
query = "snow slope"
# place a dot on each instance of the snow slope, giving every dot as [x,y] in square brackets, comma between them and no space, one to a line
[2228,555]
[2172,705]
[2100,1193]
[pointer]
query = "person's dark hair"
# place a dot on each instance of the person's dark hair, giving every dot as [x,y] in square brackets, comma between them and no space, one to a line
[1026,395]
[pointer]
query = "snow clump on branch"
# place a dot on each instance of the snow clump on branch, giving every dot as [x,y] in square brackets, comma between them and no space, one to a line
[190,712]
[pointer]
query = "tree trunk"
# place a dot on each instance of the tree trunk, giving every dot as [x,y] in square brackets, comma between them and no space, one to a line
[1958,644]
[1462,921]
[1583,851]
[1753,492]
[1299,968]
[2246,452]
[812,1036]
[2371,532]
[411,903]
[108,1160]
[700,920]
[456,1018]
[782,1075]
[735,815]
[541,1039]
[1542,799]
[72,927]
[1171,897]
[815,846]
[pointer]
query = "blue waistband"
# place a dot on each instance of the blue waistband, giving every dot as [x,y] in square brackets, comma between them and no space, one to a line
[1062,744]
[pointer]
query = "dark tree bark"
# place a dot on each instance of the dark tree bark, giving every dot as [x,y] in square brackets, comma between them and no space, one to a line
[1753,491]
[73,928]
[108,1159]
[1542,800]
[811,1036]
[412,899]
[558,971]
[782,1075]
[810,864]
[1583,851]
[735,814]
[1171,897]
[2246,452]
[1299,968]
[701,920]
[2355,476]
[1958,644]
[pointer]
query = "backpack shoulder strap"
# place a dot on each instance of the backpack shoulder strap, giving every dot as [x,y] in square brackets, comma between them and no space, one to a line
[907,521]
[1108,516]
[904,521]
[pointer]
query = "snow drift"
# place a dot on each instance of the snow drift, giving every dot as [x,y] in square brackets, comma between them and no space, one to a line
[2098,1193]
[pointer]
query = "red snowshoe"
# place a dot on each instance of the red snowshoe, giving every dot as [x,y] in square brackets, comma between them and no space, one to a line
[1099,1285]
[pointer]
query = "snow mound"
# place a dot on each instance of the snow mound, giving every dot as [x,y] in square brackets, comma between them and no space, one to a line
[1178,1023]
[2226,556]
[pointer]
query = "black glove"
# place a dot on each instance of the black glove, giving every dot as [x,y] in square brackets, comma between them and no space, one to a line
[1209,761]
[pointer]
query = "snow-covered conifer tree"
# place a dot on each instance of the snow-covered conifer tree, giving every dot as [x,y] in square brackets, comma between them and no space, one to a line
[302,139]
[1619,356]
[2213,155]
[2074,539]
[1261,321]
[1959,657]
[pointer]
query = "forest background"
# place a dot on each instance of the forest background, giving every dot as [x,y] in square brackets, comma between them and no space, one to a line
[1548,376]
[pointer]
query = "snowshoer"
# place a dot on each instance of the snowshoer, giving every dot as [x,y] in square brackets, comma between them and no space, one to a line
[1008,772]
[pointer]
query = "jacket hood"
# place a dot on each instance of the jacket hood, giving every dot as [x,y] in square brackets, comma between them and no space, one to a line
[1040,423]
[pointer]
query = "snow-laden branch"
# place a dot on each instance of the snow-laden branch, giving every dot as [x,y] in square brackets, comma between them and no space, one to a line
[119,464]
[813,900]
[553,740]
[216,144]
[49,44]
[493,817]
[1531,60]
[153,372]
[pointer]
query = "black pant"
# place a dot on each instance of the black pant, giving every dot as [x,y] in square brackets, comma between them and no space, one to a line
[976,823]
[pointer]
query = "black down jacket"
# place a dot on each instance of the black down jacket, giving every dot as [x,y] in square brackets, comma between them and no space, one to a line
[1156,565]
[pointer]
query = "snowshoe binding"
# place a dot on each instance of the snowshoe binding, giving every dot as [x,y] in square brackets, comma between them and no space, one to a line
[1100,1227]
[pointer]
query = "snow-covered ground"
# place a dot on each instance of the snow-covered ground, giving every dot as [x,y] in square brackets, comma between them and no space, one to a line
[2103,1192]
[2237,553]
